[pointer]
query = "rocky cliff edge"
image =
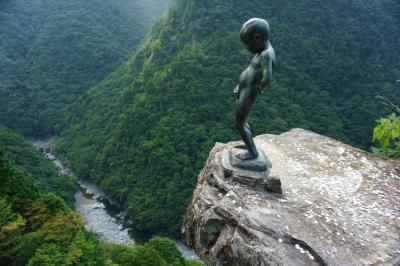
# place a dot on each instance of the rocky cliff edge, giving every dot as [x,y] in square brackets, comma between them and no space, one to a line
[339,206]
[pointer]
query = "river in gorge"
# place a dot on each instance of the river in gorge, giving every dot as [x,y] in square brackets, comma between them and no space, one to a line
[101,215]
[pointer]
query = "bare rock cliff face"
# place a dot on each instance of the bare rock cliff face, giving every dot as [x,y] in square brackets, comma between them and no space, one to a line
[340,206]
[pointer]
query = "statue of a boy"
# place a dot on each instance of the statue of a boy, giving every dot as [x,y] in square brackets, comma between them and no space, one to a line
[253,80]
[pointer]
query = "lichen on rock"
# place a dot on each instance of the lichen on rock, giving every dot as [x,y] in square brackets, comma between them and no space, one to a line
[339,206]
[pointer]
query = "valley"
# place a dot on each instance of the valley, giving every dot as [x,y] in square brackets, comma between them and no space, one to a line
[126,99]
[102,216]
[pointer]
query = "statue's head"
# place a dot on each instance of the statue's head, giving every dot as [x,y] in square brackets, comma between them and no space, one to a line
[254,34]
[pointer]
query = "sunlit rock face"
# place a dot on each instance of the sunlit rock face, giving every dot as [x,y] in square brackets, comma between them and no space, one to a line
[340,206]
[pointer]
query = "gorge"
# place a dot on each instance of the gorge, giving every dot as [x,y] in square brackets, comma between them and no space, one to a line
[105,218]
[137,94]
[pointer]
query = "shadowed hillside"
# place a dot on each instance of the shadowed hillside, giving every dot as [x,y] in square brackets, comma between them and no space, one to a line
[52,51]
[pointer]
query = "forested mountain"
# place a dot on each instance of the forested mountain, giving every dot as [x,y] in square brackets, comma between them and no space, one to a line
[32,163]
[144,132]
[40,229]
[51,51]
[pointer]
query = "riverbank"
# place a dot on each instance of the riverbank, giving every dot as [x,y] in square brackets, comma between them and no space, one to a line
[101,215]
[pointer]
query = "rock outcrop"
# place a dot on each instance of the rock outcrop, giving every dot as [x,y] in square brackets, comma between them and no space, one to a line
[339,206]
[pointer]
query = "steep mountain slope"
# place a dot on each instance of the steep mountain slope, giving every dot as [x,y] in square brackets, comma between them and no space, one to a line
[40,229]
[144,132]
[27,159]
[51,51]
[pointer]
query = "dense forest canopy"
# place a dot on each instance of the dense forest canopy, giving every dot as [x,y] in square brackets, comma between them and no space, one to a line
[144,132]
[51,51]
[40,229]
[27,159]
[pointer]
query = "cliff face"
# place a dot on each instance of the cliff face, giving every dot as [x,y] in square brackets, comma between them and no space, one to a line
[340,206]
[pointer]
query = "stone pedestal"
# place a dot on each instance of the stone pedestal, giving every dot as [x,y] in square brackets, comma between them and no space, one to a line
[253,173]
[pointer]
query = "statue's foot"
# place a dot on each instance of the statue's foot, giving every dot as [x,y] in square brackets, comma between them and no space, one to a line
[246,155]
[240,146]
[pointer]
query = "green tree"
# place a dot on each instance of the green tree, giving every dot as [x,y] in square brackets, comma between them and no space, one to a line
[47,255]
[167,249]
[387,132]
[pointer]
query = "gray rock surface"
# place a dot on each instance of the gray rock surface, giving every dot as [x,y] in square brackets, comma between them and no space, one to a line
[340,206]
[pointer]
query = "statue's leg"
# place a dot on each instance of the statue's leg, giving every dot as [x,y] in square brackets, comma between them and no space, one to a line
[243,107]
[247,126]
[244,146]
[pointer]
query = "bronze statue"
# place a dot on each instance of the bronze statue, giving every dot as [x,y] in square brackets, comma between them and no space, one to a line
[253,80]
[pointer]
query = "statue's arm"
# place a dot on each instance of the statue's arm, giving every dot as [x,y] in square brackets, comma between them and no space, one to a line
[267,73]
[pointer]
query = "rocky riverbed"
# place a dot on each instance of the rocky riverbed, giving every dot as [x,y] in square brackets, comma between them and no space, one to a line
[101,215]
[91,207]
